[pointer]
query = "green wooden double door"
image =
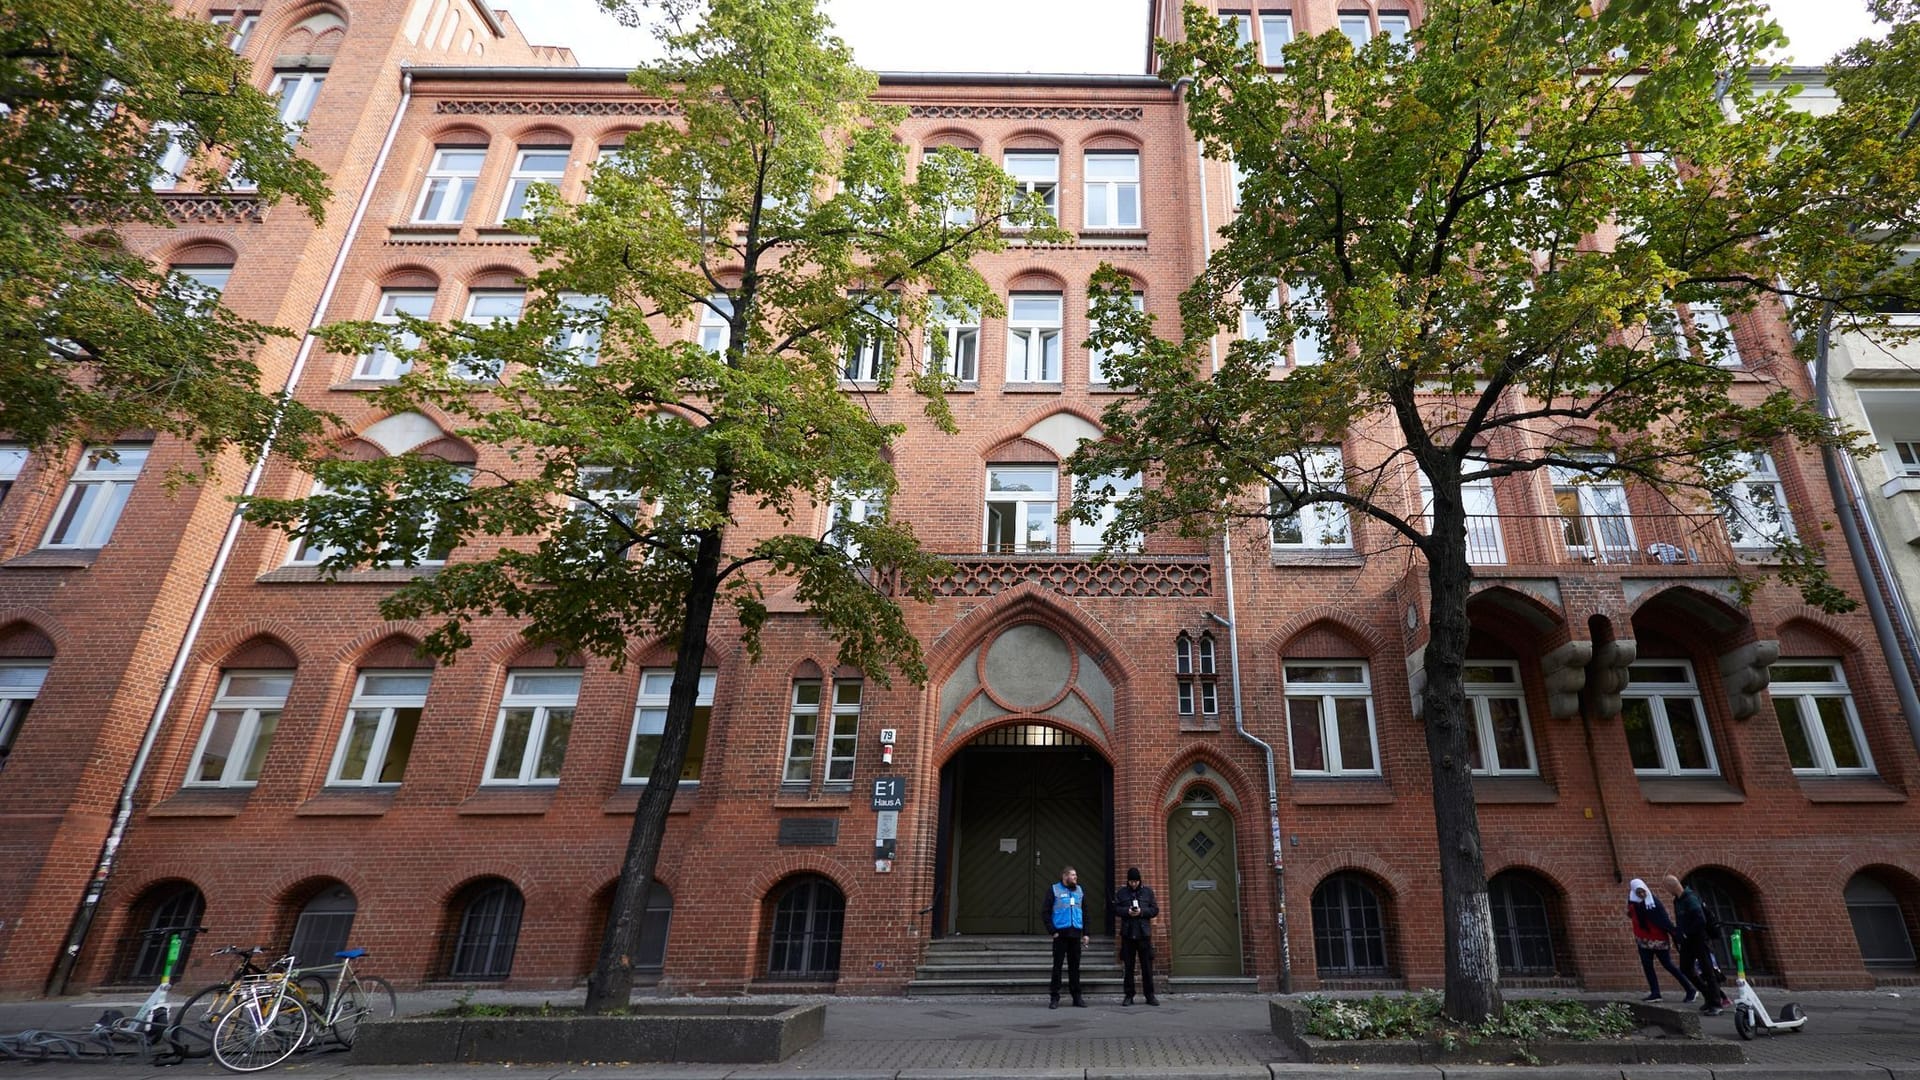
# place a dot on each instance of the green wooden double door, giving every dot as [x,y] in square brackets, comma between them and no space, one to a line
[1021,814]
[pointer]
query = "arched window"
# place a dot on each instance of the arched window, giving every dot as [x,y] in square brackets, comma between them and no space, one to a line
[1522,926]
[1183,654]
[323,925]
[807,919]
[489,929]
[1729,899]
[166,907]
[1349,929]
[1879,923]
[1206,660]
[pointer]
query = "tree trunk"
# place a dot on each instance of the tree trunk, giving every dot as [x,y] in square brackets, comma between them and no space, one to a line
[1473,976]
[610,987]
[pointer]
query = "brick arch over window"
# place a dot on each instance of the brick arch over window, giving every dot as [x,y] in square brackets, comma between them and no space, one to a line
[1353,927]
[543,135]
[1109,139]
[954,137]
[1226,779]
[1529,924]
[259,652]
[316,32]
[1019,452]
[402,275]
[497,277]
[393,651]
[22,640]
[1036,280]
[201,253]
[1327,619]
[1031,139]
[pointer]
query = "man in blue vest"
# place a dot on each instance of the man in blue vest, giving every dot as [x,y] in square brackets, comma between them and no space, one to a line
[1066,917]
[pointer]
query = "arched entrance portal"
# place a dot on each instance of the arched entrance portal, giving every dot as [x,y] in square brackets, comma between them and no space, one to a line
[1018,803]
[1203,888]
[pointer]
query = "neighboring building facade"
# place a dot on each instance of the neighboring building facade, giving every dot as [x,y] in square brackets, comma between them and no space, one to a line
[313,779]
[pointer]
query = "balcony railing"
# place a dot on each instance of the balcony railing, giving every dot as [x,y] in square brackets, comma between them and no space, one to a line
[1599,540]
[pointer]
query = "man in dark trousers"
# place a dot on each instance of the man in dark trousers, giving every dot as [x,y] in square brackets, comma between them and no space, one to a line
[1137,909]
[1066,917]
[1696,963]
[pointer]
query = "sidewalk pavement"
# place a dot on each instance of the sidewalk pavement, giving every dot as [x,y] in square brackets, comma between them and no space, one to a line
[1851,1036]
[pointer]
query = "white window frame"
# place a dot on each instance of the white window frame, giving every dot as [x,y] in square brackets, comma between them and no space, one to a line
[520,182]
[539,728]
[1322,526]
[516,299]
[1254,325]
[1350,21]
[1480,695]
[297,90]
[1903,457]
[209,282]
[382,364]
[802,746]
[1327,695]
[715,333]
[243,23]
[1097,359]
[304,551]
[1486,539]
[384,707]
[960,327]
[1108,195]
[449,190]
[1242,23]
[20,683]
[1596,519]
[1396,25]
[13,459]
[246,743]
[868,346]
[850,506]
[1306,346]
[1275,25]
[173,160]
[93,525]
[843,733]
[1708,319]
[581,341]
[1803,697]
[1084,537]
[650,713]
[1035,172]
[1022,507]
[1744,506]
[1032,339]
[1656,695]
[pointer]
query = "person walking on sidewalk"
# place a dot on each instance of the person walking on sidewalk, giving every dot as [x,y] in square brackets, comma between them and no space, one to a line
[1137,909]
[1653,932]
[1066,916]
[1695,932]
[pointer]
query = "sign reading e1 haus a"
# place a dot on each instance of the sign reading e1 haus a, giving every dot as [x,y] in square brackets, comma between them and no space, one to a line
[890,793]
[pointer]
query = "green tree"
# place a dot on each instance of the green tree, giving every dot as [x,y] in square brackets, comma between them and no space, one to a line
[95,341]
[776,210]
[1484,234]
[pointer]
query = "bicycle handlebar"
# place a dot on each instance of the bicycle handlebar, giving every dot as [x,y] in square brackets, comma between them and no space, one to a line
[1745,927]
[165,931]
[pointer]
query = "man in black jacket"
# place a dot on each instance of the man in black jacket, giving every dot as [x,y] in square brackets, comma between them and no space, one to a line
[1137,909]
[1695,928]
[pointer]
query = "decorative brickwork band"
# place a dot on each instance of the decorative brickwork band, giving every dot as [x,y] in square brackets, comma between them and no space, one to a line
[192,209]
[1165,576]
[1026,112]
[554,108]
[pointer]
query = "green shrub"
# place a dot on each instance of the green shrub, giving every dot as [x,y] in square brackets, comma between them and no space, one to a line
[1418,1016]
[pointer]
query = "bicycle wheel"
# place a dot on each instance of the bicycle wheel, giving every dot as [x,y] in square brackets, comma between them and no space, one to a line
[362,1000]
[248,1040]
[318,990]
[192,1032]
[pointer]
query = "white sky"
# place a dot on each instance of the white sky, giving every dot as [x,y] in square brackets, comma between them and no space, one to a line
[1036,35]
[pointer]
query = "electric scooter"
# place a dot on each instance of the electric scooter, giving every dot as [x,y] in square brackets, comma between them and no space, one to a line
[1749,1014]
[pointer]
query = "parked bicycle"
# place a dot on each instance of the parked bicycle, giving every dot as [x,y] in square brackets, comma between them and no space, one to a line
[192,1033]
[143,1034]
[272,1017]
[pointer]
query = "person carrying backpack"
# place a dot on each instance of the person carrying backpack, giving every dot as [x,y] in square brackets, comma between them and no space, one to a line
[1697,928]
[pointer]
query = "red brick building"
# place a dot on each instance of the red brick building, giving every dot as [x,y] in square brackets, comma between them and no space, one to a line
[308,777]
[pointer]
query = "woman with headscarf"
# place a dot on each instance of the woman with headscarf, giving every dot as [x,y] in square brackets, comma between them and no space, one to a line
[1653,932]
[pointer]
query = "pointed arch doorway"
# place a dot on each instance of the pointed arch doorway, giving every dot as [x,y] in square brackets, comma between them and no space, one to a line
[1203,887]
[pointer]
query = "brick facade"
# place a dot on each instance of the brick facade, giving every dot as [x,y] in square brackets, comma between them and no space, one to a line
[416,856]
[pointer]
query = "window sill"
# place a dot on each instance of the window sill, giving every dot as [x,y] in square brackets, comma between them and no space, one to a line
[357,385]
[1200,723]
[1849,789]
[203,803]
[865,386]
[1033,388]
[1512,790]
[311,575]
[1341,791]
[1687,789]
[54,558]
[1337,557]
[1900,485]
[348,802]
[964,388]
[428,232]
[1130,237]
[502,234]
[1109,388]
[627,800]
[820,800]
[507,801]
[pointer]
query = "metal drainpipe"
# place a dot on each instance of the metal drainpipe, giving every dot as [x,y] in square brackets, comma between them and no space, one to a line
[1232,623]
[123,813]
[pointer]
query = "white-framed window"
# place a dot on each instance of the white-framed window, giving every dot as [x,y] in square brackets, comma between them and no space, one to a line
[383,363]
[843,739]
[308,551]
[537,165]
[1317,526]
[803,731]
[853,507]
[1113,189]
[959,327]
[305,550]
[239,730]
[1097,373]
[210,279]
[297,90]
[12,460]
[1109,490]
[451,178]
[1276,33]
[1711,328]
[716,333]
[1755,506]
[1906,457]
[95,497]
[1241,24]
[1033,337]
[1204,655]
[869,344]
[1021,504]
[1255,308]
[1330,718]
[489,307]
[1357,26]
[1665,722]
[242,24]
[650,722]
[1594,520]
[956,213]
[536,716]
[173,159]
[1304,303]
[20,682]
[382,720]
[1237,184]
[1486,546]
[1503,740]
[1036,172]
[580,336]
[1818,719]
[1396,26]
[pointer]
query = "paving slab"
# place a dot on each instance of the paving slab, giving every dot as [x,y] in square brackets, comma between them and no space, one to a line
[1531,1072]
[1826,1071]
[1300,1070]
[1247,1072]
[979,1074]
